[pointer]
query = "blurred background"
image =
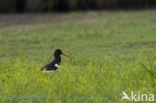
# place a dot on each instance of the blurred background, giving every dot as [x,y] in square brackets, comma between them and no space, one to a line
[21,6]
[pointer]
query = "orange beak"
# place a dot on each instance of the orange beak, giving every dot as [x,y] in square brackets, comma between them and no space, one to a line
[65,55]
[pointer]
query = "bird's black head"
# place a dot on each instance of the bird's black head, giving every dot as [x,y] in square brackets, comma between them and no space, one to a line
[57,52]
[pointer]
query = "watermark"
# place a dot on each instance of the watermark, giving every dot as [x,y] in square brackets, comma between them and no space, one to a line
[137,96]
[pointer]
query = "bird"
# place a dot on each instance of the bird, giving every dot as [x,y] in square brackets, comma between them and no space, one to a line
[55,64]
[125,96]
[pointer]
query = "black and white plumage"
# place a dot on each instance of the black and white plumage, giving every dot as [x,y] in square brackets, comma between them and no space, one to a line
[55,64]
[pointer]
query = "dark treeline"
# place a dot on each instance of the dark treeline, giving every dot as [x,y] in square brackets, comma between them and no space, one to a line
[71,5]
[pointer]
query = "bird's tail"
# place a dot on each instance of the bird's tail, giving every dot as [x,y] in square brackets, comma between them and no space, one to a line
[44,67]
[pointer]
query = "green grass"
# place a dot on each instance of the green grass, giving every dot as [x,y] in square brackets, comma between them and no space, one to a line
[110,52]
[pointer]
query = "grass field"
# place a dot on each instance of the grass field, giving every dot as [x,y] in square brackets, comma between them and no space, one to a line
[111,52]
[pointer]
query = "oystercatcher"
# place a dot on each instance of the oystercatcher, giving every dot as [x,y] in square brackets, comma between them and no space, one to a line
[55,64]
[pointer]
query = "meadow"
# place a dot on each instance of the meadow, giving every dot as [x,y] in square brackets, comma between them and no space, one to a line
[110,52]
